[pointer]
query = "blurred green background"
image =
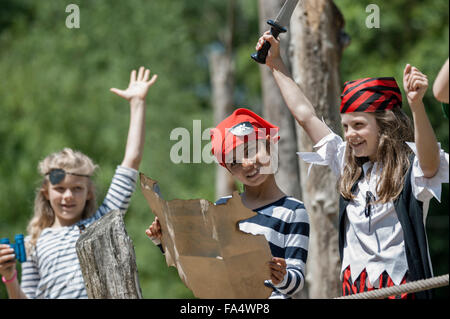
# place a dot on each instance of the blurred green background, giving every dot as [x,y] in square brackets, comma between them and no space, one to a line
[54,93]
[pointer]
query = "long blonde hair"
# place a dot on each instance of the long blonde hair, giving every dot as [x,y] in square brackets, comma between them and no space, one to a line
[44,216]
[395,128]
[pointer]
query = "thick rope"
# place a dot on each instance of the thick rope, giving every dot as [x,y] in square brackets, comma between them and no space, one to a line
[414,286]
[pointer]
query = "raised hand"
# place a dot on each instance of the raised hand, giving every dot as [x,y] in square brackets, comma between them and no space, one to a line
[274,53]
[415,84]
[139,85]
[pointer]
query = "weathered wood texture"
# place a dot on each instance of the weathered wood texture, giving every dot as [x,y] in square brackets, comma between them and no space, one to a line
[108,260]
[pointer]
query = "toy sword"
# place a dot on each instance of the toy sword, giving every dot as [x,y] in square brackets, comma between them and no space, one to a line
[277,26]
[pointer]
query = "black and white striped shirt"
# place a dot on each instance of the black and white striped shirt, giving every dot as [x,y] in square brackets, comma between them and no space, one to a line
[53,270]
[285,225]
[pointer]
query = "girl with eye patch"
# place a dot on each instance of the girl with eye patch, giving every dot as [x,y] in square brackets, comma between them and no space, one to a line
[65,205]
[389,168]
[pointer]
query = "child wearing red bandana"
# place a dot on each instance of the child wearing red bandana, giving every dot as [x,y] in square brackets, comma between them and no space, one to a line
[388,167]
[244,143]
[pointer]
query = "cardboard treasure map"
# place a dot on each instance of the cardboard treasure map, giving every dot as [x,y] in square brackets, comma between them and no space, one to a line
[203,241]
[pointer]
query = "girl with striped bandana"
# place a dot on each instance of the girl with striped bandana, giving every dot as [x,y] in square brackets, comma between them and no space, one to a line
[244,144]
[65,205]
[386,180]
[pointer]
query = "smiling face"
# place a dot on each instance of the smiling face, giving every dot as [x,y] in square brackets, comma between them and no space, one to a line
[68,199]
[250,162]
[361,133]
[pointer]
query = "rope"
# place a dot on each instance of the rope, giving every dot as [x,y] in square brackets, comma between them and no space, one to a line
[414,286]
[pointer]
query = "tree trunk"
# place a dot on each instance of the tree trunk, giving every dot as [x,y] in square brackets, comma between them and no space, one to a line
[316,42]
[107,259]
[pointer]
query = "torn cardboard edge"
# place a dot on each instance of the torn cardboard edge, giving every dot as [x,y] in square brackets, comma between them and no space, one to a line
[203,241]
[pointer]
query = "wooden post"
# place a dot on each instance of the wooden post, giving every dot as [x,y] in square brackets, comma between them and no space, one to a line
[107,259]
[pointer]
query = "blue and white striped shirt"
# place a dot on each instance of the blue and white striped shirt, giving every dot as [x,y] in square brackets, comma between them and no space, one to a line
[53,270]
[285,225]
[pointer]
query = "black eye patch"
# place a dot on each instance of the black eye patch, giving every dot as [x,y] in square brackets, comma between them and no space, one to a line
[57,175]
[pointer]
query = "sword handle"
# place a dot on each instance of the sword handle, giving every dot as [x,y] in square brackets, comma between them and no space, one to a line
[261,55]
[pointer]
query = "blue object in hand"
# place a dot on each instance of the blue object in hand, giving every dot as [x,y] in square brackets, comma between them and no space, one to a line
[18,246]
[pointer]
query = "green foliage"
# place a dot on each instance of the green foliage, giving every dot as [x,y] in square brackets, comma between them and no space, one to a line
[55,93]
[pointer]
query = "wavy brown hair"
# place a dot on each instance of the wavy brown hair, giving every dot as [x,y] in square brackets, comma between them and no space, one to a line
[395,128]
[44,216]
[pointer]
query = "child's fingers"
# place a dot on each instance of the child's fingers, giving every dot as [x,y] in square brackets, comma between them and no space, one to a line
[146,75]
[118,92]
[270,38]
[412,77]
[407,69]
[276,275]
[151,234]
[278,265]
[419,75]
[267,36]
[7,264]
[410,74]
[133,76]
[6,250]
[274,267]
[156,229]
[153,80]
[417,81]
[275,279]
[280,261]
[140,76]
[259,44]
[6,260]
[148,232]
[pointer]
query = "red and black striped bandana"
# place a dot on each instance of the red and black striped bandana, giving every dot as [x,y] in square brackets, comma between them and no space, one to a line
[370,95]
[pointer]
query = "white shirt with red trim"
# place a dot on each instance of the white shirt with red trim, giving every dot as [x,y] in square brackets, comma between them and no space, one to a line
[381,246]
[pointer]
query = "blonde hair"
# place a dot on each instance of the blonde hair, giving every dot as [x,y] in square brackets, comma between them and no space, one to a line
[395,128]
[44,216]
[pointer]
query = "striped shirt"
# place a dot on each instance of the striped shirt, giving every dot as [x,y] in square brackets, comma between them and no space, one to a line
[285,225]
[53,270]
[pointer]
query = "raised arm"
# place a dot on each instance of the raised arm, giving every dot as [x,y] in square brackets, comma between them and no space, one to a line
[440,86]
[136,94]
[299,105]
[415,84]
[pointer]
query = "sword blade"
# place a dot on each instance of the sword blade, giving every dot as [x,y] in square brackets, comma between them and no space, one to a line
[284,16]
